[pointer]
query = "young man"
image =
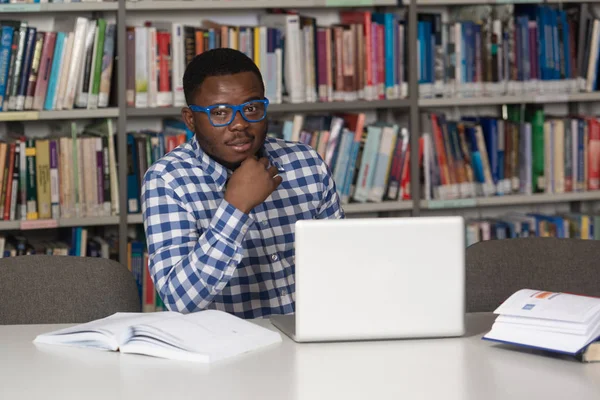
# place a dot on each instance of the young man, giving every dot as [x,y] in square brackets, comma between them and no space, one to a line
[219,211]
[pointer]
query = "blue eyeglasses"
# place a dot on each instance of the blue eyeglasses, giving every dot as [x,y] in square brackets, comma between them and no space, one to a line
[223,114]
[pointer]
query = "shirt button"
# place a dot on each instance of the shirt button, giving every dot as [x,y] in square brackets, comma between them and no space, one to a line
[274,257]
[283,292]
[264,223]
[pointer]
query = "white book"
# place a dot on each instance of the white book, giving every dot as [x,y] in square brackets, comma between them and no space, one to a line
[81,91]
[178,64]
[204,336]
[294,74]
[559,322]
[152,71]
[77,61]
[57,103]
[141,67]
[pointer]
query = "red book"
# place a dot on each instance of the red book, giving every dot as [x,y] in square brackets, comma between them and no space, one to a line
[594,154]
[9,179]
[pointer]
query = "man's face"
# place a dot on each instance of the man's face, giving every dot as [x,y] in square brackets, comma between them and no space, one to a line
[231,144]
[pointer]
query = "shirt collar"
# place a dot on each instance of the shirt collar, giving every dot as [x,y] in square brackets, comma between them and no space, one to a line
[221,174]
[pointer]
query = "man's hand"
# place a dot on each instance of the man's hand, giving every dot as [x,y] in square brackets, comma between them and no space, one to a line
[251,183]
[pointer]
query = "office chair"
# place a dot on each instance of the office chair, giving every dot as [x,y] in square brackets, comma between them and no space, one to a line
[42,289]
[495,269]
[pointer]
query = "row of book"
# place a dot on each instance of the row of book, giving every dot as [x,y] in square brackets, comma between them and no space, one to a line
[362,57]
[524,153]
[71,67]
[72,173]
[369,162]
[490,50]
[76,241]
[517,225]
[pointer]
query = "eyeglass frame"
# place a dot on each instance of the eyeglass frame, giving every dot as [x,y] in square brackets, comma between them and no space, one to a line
[235,108]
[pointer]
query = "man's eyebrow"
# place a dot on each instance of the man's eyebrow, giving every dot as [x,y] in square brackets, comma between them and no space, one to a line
[253,98]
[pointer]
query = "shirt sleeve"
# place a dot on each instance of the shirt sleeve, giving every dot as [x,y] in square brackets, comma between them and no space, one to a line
[189,265]
[330,207]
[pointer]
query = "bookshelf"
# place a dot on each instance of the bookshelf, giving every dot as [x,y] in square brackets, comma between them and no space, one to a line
[412,107]
[168,5]
[112,112]
[59,7]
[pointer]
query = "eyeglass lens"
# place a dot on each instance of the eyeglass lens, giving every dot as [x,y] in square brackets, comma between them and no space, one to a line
[253,111]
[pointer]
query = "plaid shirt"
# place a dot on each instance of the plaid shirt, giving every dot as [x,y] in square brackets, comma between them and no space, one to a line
[205,253]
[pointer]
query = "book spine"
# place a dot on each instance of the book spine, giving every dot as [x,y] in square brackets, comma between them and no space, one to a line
[6,39]
[47,56]
[32,204]
[35,68]
[107,66]
[53,82]
[42,151]
[54,180]
[18,67]
[26,68]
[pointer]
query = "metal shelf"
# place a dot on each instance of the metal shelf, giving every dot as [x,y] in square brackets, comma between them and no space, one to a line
[63,114]
[352,208]
[59,223]
[482,2]
[134,219]
[358,208]
[170,5]
[283,108]
[88,221]
[510,200]
[59,7]
[498,100]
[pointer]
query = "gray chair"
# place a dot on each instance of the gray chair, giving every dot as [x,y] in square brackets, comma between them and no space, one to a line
[41,289]
[496,269]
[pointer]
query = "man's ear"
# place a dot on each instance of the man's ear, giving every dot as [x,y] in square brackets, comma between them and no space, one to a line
[188,118]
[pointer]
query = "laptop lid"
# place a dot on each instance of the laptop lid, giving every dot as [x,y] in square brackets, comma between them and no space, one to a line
[379,278]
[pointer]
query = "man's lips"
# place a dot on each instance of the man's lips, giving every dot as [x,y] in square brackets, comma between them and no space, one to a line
[240,146]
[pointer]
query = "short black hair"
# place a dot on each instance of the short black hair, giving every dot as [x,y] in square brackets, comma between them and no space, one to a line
[216,62]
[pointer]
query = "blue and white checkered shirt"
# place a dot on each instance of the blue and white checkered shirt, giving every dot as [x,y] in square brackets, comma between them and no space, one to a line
[205,253]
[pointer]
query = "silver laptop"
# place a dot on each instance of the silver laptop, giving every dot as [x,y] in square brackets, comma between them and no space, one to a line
[378,278]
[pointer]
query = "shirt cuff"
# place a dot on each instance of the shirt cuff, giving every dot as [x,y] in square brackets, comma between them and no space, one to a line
[230,223]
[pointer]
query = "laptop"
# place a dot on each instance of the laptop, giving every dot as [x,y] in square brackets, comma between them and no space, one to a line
[377,278]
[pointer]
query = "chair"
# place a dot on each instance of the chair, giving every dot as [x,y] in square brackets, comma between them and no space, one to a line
[42,289]
[496,269]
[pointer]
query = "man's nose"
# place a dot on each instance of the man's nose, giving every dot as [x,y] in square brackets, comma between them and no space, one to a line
[238,121]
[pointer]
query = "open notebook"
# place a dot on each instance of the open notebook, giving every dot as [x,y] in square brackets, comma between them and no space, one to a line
[204,336]
[559,322]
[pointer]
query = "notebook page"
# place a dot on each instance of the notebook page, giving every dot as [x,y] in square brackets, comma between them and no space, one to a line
[211,334]
[550,305]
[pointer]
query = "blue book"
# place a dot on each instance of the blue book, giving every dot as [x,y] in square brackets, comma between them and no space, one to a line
[476,161]
[388,22]
[61,37]
[6,38]
[26,67]
[490,133]
[133,194]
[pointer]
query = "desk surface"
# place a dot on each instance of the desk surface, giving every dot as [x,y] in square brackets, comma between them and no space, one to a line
[458,368]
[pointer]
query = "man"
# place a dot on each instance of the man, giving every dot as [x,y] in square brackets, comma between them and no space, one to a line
[219,211]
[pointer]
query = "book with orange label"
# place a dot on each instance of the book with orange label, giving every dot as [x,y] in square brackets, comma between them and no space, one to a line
[558,322]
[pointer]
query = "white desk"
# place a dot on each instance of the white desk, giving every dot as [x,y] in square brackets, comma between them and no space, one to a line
[460,368]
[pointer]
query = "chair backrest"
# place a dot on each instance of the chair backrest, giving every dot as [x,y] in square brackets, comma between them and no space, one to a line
[496,269]
[41,289]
